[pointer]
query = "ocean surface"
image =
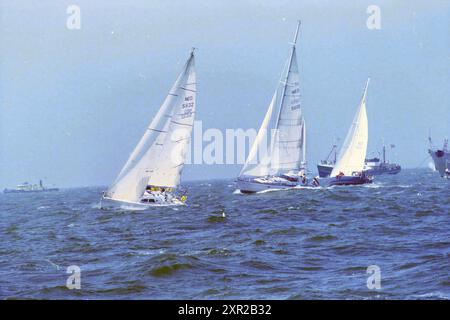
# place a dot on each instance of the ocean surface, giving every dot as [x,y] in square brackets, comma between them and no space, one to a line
[296,244]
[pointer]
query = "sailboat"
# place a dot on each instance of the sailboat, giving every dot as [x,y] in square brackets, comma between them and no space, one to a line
[278,160]
[153,170]
[373,166]
[349,168]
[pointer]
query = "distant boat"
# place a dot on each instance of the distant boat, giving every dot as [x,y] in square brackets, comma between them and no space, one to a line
[350,162]
[284,162]
[373,166]
[153,170]
[441,159]
[30,188]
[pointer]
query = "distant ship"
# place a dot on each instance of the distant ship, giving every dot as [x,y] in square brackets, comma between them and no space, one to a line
[28,188]
[441,159]
[375,167]
[372,166]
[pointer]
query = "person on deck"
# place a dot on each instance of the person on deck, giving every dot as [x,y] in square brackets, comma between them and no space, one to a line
[315,182]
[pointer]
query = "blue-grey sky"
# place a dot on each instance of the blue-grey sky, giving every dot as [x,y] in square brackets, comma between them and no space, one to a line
[74,103]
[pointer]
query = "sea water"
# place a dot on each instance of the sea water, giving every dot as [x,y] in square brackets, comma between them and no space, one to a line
[298,244]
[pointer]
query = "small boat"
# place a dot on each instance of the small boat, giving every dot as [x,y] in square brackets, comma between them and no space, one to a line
[30,188]
[441,158]
[152,172]
[279,161]
[349,167]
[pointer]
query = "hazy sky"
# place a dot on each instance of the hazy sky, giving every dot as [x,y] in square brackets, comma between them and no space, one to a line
[74,103]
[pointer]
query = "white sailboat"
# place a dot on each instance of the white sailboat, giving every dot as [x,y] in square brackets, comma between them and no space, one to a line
[153,170]
[351,158]
[277,158]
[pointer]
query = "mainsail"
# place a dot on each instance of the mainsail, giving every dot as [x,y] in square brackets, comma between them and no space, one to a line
[159,156]
[353,152]
[284,150]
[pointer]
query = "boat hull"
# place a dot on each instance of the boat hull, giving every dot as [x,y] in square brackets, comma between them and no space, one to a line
[383,169]
[349,180]
[252,186]
[109,203]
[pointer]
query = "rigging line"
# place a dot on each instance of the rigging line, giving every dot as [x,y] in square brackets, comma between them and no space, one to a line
[423,161]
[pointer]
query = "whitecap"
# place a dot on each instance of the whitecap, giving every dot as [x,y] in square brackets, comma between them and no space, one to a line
[269,190]
[307,187]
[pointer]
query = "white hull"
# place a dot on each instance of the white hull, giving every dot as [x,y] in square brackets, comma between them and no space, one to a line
[108,203]
[252,186]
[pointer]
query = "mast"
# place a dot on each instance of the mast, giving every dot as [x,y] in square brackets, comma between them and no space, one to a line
[365,90]
[293,43]
[335,153]
[333,149]
[384,153]
[304,144]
